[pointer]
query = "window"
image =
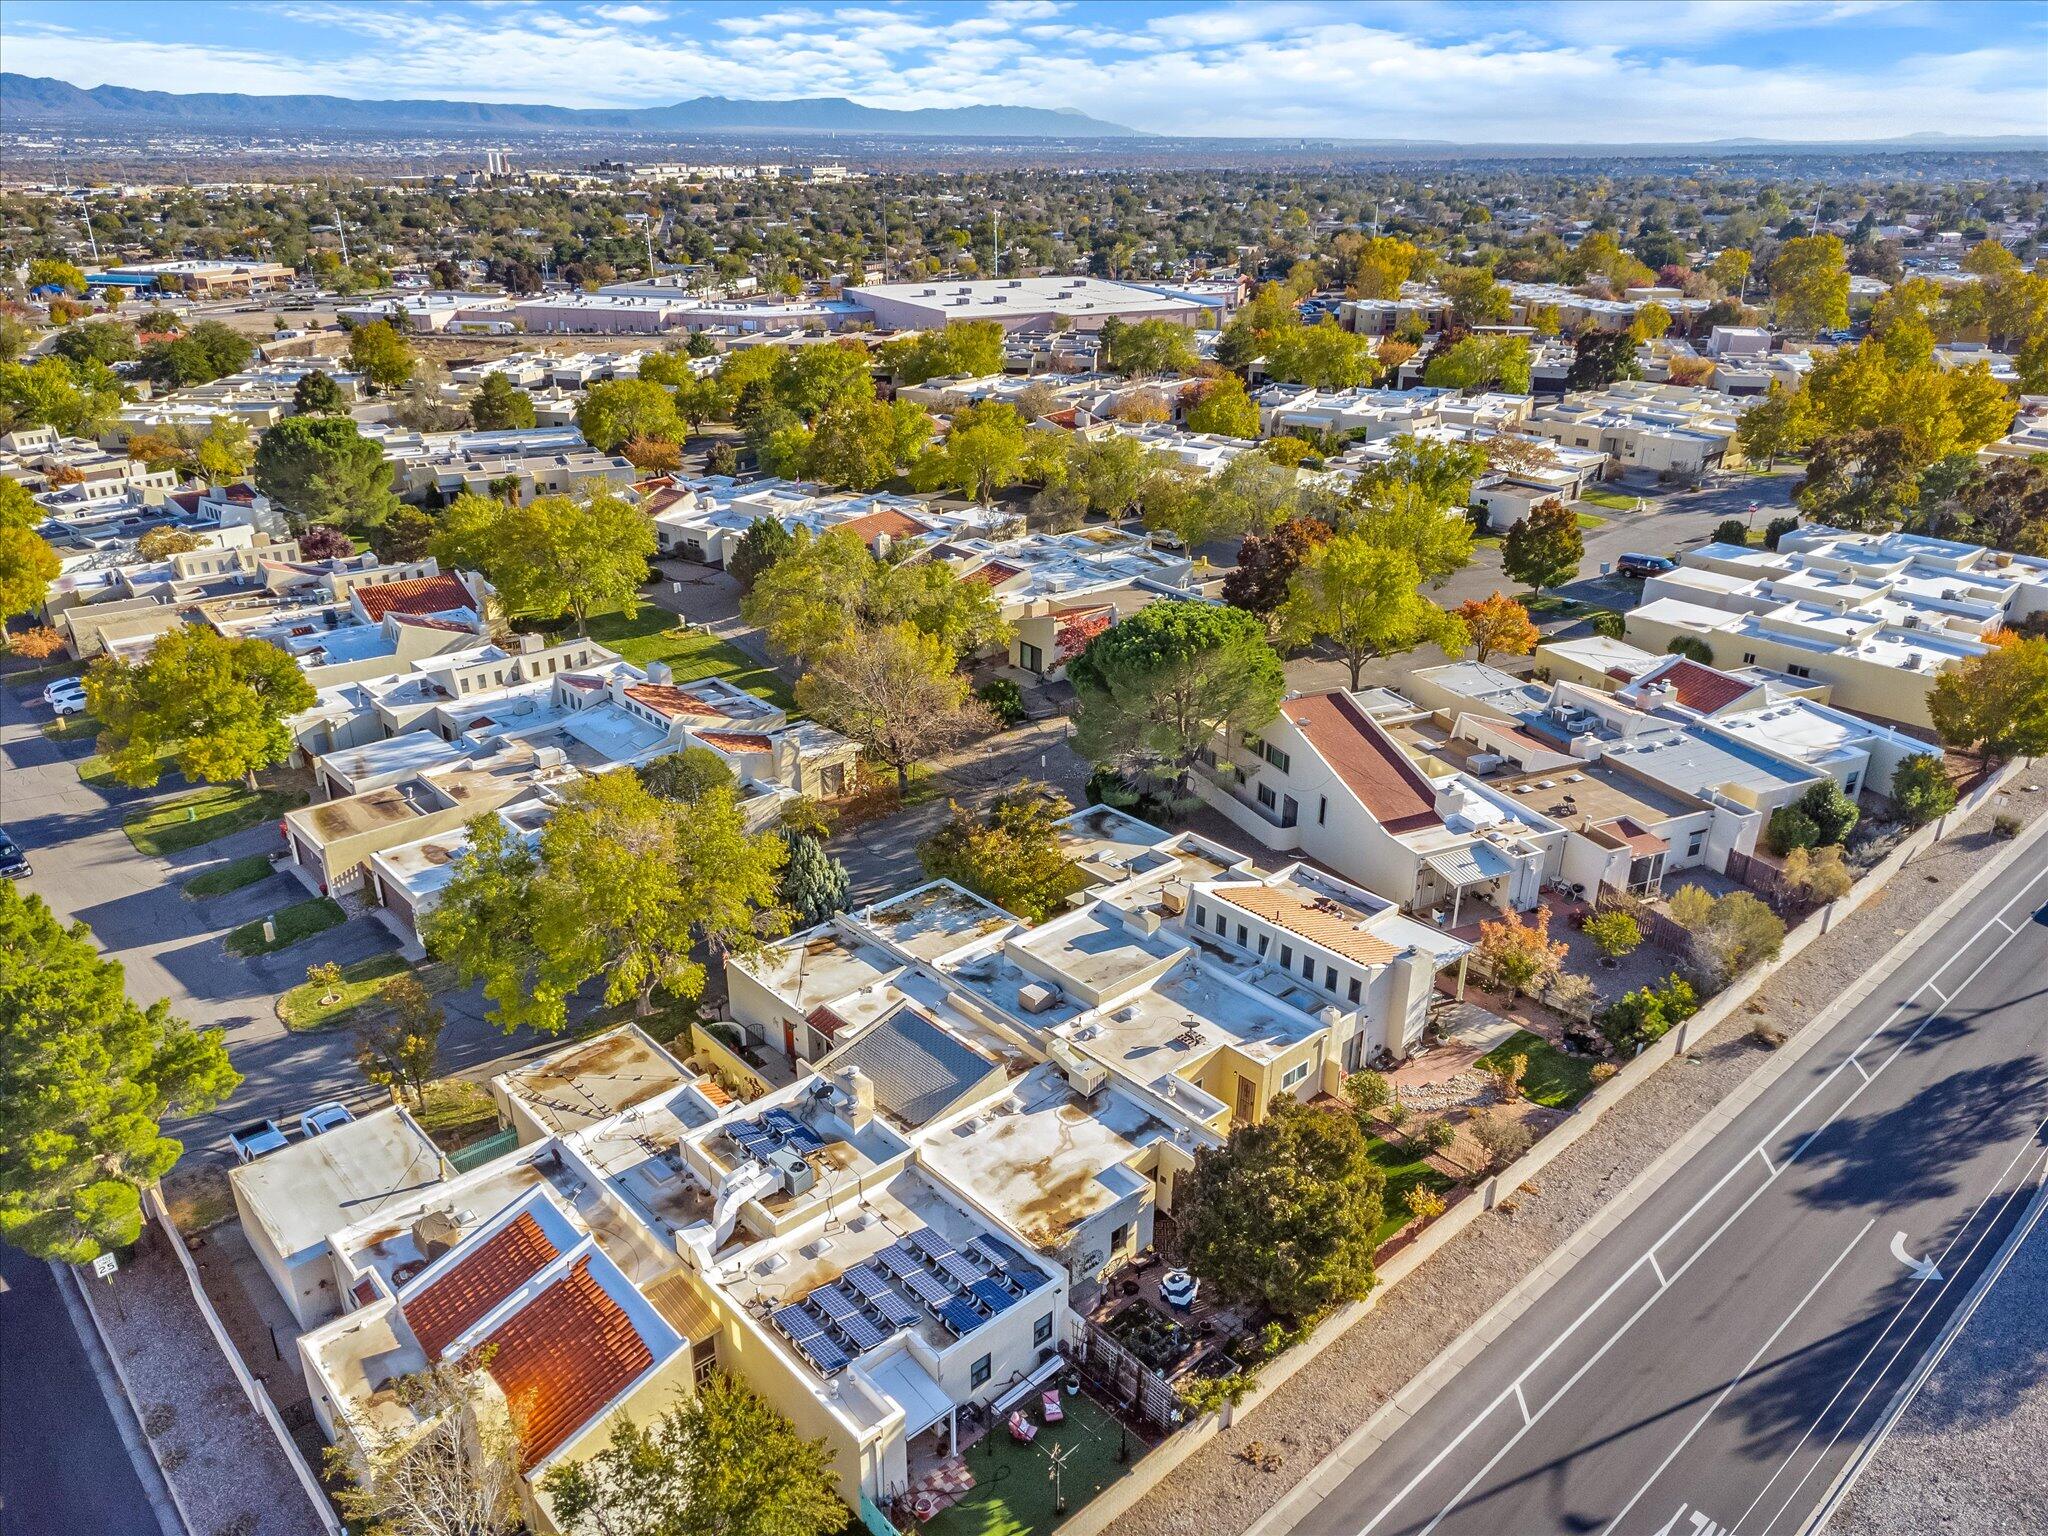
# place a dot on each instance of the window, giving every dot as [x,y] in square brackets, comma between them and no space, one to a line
[1201,916]
[1294,1075]
[978,1373]
[1267,798]
[1849,788]
[704,1360]
[1352,991]
[1322,808]
[1275,756]
[1264,940]
[1308,966]
[1242,937]
[1286,957]
[1798,671]
[1749,658]
[1120,1239]
[1695,844]
[1041,1331]
[1329,978]
[1030,657]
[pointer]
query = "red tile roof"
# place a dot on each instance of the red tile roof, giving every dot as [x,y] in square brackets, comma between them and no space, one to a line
[506,1260]
[560,1358]
[735,741]
[994,574]
[667,699]
[1394,790]
[426,594]
[1706,689]
[824,1021]
[897,525]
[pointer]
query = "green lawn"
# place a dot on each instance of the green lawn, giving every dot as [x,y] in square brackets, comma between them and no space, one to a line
[1554,1080]
[1613,499]
[301,1007]
[1549,604]
[231,876]
[301,920]
[202,816]
[1013,1494]
[1404,1170]
[457,1112]
[1585,520]
[651,635]
[76,727]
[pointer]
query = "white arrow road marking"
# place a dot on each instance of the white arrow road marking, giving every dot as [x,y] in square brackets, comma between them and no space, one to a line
[1923,1269]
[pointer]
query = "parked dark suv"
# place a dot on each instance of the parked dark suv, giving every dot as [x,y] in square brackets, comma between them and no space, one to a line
[1642,567]
[13,862]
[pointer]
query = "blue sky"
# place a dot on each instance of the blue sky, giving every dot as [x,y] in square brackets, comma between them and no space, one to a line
[1544,72]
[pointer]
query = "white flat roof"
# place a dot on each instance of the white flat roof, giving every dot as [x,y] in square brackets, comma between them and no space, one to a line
[301,1193]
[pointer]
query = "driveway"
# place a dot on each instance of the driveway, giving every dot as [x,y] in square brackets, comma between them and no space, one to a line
[86,869]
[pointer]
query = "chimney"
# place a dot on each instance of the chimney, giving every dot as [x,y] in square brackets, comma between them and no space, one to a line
[658,673]
[860,1088]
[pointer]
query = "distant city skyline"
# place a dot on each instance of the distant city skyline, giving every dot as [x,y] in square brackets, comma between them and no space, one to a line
[1489,72]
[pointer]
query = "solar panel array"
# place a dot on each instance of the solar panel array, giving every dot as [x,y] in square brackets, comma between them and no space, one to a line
[776,1129]
[918,1275]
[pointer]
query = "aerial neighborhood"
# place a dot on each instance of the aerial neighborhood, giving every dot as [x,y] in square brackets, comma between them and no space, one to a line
[985,835]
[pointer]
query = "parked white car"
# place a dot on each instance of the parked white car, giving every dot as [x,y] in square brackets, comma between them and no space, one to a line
[324,1117]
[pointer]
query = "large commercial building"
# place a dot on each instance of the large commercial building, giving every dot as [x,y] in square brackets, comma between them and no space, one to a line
[1021,303]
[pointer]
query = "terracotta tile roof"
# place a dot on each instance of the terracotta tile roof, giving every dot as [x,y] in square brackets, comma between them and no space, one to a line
[1322,922]
[736,741]
[1705,689]
[500,1264]
[560,1358]
[1376,770]
[667,699]
[897,525]
[1640,841]
[417,622]
[994,574]
[824,1021]
[708,1086]
[426,594]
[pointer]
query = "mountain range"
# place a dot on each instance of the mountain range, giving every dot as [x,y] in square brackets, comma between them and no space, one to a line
[35,99]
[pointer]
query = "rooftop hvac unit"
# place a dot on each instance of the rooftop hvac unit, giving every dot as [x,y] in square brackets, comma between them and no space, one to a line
[796,1174]
[1036,997]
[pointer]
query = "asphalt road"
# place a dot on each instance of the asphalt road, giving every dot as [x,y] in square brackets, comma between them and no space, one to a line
[1709,1367]
[63,1465]
[171,948]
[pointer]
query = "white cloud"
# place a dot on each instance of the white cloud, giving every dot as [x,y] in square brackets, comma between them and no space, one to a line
[1536,73]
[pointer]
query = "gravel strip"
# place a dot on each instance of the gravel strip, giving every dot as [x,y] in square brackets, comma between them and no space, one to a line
[1217,1491]
[232,1478]
[1966,1457]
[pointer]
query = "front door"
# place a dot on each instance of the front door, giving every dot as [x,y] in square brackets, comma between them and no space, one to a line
[1247,1099]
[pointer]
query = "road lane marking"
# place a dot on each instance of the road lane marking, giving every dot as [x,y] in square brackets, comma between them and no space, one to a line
[1923,1269]
[1860,1068]
[1524,1404]
[1877,1343]
[1701,1422]
[1658,1269]
[1715,1189]
[1769,1167]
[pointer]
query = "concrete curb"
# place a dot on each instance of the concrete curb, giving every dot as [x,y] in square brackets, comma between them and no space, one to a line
[1404,1404]
[76,1302]
[1866,1453]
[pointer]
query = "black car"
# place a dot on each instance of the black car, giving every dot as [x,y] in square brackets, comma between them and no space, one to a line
[13,862]
[1642,567]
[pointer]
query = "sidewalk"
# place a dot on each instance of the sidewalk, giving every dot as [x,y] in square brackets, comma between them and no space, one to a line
[226,1470]
[1213,1493]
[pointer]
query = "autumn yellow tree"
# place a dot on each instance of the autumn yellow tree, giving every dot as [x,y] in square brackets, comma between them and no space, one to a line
[1519,955]
[1498,623]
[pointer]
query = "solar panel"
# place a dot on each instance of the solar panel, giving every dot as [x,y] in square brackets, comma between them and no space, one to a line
[873,1289]
[797,1325]
[751,1138]
[827,1356]
[958,1270]
[781,1124]
[1025,1278]
[900,1259]
[927,1290]
[959,1316]
[930,1244]
[991,1294]
[833,1302]
[861,1332]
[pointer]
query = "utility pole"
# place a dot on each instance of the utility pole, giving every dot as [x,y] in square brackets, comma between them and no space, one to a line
[85,212]
[998,252]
